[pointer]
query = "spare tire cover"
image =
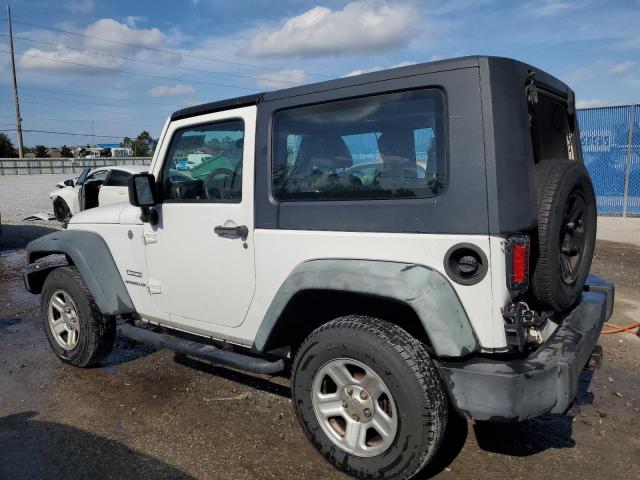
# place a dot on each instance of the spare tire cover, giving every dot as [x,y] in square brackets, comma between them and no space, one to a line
[563,248]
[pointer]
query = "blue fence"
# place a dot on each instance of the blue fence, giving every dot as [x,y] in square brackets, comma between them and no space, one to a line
[611,149]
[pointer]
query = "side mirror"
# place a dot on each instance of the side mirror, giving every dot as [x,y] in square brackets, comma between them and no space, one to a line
[69,182]
[142,188]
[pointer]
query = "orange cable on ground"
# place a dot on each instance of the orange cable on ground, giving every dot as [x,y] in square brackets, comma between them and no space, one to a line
[618,329]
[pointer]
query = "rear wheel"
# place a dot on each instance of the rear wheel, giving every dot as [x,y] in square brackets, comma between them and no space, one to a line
[563,249]
[77,332]
[369,398]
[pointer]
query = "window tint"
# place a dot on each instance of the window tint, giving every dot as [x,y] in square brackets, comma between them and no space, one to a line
[117,178]
[550,128]
[384,146]
[204,163]
[98,176]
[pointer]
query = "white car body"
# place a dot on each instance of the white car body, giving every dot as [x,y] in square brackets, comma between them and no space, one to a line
[108,194]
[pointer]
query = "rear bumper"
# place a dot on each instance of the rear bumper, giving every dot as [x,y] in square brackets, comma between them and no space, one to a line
[546,381]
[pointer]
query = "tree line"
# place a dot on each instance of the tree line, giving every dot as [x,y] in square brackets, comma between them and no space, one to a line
[139,146]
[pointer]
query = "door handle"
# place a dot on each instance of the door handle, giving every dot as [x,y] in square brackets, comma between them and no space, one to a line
[241,231]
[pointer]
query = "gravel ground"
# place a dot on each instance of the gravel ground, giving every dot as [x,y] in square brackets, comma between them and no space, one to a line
[23,195]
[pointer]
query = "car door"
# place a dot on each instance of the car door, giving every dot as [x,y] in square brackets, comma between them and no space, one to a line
[115,188]
[90,188]
[200,254]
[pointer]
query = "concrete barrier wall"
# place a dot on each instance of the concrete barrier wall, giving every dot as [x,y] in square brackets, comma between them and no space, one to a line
[38,166]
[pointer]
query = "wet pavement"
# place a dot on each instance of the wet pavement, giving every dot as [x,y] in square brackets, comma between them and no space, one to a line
[147,414]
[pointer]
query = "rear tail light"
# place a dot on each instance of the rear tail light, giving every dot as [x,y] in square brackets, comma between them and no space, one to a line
[518,248]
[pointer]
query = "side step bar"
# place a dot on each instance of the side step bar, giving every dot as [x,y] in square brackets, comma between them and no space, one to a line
[201,351]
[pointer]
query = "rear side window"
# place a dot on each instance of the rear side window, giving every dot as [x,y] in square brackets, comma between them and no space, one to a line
[117,178]
[550,128]
[388,146]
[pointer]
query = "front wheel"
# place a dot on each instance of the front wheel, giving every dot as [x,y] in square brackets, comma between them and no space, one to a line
[77,332]
[369,398]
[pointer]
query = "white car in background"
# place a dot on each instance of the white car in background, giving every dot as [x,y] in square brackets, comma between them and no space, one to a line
[93,188]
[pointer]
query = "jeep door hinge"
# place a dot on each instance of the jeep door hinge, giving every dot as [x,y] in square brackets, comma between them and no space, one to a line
[150,237]
[155,287]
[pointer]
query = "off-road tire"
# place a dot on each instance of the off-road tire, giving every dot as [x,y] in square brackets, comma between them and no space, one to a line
[97,332]
[556,183]
[403,363]
[61,210]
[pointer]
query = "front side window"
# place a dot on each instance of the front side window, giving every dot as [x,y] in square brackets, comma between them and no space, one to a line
[380,147]
[204,163]
[99,176]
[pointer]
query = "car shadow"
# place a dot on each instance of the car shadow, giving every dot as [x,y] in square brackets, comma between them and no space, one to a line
[126,350]
[539,434]
[259,383]
[514,439]
[35,448]
[452,444]
[17,236]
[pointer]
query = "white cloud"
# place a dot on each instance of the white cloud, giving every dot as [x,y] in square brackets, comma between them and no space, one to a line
[623,68]
[361,26]
[591,103]
[132,20]
[361,71]
[282,79]
[548,8]
[165,91]
[110,29]
[63,60]
[80,7]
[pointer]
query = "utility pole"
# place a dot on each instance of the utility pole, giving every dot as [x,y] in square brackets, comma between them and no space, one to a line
[15,88]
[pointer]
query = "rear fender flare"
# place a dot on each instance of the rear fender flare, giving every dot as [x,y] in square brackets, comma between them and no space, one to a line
[424,289]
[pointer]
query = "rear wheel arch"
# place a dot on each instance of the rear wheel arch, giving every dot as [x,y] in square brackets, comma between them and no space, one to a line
[416,297]
[309,309]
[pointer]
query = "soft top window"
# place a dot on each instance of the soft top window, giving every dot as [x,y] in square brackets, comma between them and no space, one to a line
[379,147]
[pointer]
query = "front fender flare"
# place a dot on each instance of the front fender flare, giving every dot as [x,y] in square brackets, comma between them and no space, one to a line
[425,290]
[90,254]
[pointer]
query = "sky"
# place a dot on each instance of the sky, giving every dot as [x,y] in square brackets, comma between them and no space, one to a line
[115,68]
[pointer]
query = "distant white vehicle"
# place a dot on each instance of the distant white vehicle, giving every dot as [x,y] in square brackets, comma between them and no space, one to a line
[93,188]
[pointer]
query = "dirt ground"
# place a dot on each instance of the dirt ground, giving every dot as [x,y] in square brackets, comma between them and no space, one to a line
[146,414]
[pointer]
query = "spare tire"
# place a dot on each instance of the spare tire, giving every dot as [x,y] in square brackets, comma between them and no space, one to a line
[563,249]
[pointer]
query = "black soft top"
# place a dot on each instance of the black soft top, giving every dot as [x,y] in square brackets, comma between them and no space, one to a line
[378,76]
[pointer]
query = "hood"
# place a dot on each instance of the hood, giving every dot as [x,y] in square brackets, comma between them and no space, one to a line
[106,214]
[61,192]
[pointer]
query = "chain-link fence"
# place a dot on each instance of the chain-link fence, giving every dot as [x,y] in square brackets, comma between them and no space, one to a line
[36,166]
[611,150]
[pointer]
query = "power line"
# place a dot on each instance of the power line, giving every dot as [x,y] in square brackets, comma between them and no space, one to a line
[31,102]
[66,133]
[119,70]
[199,57]
[192,69]
[74,101]
[36,119]
[58,92]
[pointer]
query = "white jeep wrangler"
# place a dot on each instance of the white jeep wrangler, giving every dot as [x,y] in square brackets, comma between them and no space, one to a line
[408,244]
